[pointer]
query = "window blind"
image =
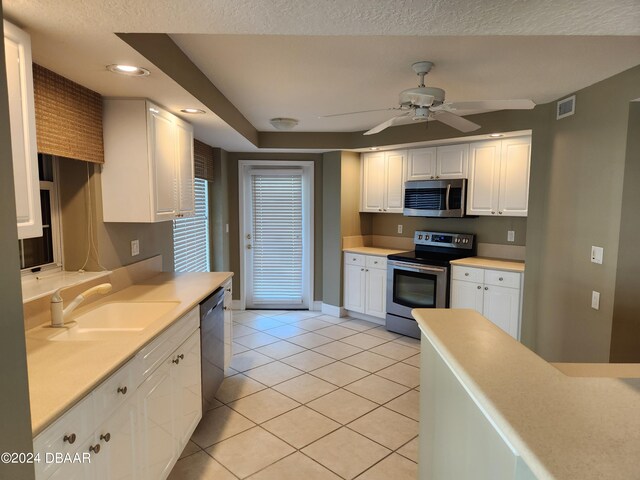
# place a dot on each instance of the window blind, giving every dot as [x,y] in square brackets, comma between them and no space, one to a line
[277,239]
[191,235]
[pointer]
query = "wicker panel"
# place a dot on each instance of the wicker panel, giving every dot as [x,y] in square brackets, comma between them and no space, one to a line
[68,117]
[203,160]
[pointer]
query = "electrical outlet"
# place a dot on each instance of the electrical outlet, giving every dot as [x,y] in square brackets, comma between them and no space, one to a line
[597,253]
[511,236]
[135,247]
[399,228]
[226,227]
[595,300]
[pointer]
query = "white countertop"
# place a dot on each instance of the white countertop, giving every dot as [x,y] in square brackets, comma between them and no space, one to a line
[376,251]
[61,373]
[573,427]
[492,263]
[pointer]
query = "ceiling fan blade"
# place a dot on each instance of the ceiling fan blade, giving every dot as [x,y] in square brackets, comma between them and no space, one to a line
[455,121]
[522,104]
[361,111]
[389,123]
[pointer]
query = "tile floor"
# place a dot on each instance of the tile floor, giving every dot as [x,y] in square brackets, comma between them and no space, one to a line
[310,396]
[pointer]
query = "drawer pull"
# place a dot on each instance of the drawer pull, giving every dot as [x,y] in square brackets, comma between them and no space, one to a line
[362,269]
[501,279]
[466,274]
[95,448]
[375,262]
[479,287]
[226,308]
[486,288]
[71,439]
[106,437]
[354,259]
[122,390]
[176,361]
[181,356]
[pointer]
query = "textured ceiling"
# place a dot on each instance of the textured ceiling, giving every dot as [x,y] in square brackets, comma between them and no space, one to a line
[279,75]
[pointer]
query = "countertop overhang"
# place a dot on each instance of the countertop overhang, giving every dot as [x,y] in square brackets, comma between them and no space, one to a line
[563,426]
[62,373]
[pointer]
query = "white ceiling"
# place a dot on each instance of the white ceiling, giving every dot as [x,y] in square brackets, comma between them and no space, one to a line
[359,57]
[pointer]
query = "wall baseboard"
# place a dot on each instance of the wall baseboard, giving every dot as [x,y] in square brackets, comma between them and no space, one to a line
[333,310]
[236,305]
[316,306]
[363,316]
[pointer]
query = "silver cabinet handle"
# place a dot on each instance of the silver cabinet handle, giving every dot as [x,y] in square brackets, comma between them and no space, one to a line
[431,177]
[362,269]
[71,439]
[500,213]
[375,262]
[492,212]
[501,279]
[95,448]
[122,390]
[181,356]
[176,361]
[486,288]
[479,287]
[437,176]
[466,274]
[106,437]
[379,209]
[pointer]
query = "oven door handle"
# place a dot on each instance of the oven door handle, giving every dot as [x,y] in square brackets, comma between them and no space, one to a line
[416,268]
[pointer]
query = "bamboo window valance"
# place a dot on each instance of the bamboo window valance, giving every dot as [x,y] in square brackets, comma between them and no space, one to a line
[203,160]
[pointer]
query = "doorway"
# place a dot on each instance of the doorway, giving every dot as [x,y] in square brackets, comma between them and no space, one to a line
[276,234]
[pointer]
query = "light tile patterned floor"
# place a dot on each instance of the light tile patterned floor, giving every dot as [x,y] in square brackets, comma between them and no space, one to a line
[310,396]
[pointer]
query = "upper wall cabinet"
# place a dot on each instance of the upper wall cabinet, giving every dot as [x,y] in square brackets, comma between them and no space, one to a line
[499,177]
[148,171]
[450,161]
[17,49]
[383,176]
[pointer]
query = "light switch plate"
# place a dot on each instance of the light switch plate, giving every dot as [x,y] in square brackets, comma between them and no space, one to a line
[511,236]
[597,254]
[595,300]
[135,247]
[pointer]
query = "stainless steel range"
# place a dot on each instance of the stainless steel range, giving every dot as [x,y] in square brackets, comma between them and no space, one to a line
[420,279]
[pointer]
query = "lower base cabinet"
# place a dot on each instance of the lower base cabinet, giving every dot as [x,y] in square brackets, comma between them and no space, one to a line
[137,422]
[365,284]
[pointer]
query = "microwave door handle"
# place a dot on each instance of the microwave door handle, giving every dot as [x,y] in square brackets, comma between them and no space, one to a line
[446,201]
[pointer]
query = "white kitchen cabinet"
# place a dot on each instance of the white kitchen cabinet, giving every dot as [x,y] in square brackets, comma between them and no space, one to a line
[22,119]
[445,162]
[496,294]
[499,177]
[383,176]
[148,172]
[118,440]
[365,284]
[187,386]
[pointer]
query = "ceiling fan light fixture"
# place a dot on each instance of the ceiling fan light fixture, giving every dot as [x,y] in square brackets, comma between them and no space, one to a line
[128,70]
[282,123]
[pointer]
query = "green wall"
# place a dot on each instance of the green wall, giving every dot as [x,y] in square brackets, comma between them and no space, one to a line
[331,229]
[219,212]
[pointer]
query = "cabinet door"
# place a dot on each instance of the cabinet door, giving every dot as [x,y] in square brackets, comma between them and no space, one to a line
[466,295]
[228,324]
[514,177]
[187,387]
[162,148]
[156,416]
[354,288]
[421,164]
[373,182]
[85,470]
[502,307]
[118,439]
[17,51]
[184,163]
[453,161]
[484,177]
[395,163]
[376,292]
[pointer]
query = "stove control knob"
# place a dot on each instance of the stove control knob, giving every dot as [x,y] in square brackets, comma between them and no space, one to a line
[419,237]
[466,240]
[426,237]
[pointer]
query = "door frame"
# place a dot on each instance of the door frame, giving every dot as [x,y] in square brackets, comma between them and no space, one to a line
[308,167]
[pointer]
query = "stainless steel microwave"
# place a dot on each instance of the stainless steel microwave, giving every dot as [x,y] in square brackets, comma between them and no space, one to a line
[435,198]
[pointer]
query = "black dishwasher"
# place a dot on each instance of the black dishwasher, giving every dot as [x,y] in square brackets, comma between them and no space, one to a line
[212,345]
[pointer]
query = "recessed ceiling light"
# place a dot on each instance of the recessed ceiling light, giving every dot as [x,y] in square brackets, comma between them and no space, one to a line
[282,123]
[130,70]
[496,135]
[374,148]
[192,110]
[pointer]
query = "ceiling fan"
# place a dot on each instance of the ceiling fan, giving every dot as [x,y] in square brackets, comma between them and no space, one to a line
[427,103]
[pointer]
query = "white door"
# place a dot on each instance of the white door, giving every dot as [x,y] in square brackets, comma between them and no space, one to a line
[394,191]
[162,148]
[118,457]
[453,161]
[184,166]
[421,164]
[467,295]
[502,307]
[373,182]
[376,292]
[188,387]
[278,232]
[514,177]
[354,288]
[484,178]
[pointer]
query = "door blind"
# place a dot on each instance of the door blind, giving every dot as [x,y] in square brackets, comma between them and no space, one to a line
[277,239]
[191,235]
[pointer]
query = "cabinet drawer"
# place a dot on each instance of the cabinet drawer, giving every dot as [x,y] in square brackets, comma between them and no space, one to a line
[502,279]
[152,355]
[115,390]
[75,425]
[467,274]
[354,259]
[376,262]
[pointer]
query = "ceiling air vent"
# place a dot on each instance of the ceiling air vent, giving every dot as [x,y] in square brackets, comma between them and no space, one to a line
[566,107]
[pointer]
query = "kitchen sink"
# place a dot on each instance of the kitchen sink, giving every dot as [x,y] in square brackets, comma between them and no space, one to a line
[112,320]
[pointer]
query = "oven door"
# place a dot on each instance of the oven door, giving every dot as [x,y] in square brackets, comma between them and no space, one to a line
[412,286]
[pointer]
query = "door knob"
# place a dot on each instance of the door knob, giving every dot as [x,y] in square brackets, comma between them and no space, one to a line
[248,236]
[249,247]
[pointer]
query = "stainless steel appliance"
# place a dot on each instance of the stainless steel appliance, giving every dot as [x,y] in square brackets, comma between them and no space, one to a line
[435,198]
[212,345]
[420,279]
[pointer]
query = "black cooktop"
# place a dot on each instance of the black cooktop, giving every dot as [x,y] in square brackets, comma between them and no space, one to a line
[440,259]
